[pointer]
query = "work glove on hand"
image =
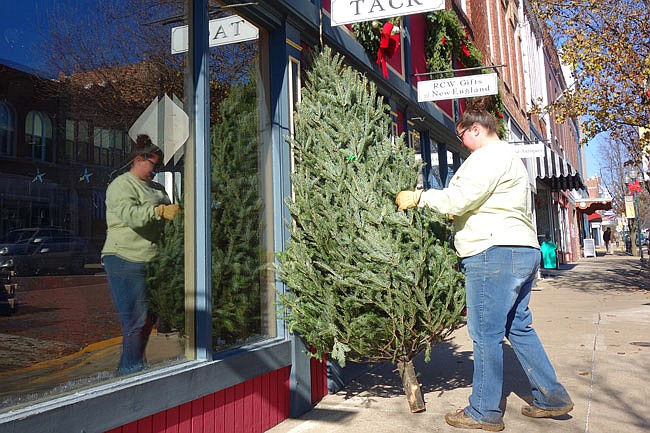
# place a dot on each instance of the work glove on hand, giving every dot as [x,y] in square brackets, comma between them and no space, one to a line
[408,199]
[168,211]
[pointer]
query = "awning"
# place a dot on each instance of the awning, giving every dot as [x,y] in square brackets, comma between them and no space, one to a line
[594,217]
[592,204]
[557,171]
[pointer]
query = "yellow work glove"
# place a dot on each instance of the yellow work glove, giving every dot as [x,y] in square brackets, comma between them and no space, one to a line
[168,211]
[408,199]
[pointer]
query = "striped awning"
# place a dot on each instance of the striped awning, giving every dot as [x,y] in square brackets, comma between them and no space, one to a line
[557,172]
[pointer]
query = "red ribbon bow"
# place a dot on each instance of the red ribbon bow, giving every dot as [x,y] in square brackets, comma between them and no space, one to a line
[388,44]
[636,186]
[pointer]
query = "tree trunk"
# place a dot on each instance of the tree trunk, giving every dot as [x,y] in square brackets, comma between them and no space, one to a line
[411,386]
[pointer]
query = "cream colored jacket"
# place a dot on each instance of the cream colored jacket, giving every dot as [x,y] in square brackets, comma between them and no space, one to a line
[490,200]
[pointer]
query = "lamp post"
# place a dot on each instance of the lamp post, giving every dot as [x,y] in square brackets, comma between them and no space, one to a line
[634,187]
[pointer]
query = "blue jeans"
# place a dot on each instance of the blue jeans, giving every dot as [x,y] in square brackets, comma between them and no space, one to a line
[498,283]
[128,282]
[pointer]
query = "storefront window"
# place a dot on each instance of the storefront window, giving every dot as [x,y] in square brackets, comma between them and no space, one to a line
[243,299]
[89,78]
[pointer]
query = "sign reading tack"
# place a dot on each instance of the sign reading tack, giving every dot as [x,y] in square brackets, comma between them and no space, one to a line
[354,11]
[458,87]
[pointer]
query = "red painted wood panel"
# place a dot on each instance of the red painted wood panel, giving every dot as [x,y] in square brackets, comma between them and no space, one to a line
[145,425]
[266,386]
[197,415]
[158,423]
[250,407]
[185,418]
[172,419]
[256,412]
[240,394]
[130,428]
[219,410]
[249,404]
[208,414]
[229,411]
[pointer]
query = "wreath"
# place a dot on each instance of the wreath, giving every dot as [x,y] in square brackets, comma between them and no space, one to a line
[445,39]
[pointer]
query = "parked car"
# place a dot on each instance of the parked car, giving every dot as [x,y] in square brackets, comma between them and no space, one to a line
[37,251]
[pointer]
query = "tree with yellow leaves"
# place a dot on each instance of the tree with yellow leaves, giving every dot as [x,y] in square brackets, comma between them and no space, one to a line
[607,46]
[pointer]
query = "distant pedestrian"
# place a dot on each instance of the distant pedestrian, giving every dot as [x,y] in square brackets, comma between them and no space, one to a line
[549,253]
[496,239]
[607,237]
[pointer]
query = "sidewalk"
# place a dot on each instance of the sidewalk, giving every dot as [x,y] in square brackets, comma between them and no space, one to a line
[593,317]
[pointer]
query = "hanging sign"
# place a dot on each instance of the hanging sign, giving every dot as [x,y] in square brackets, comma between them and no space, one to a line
[458,87]
[354,11]
[629,207]
[530,150]
[223,31]
[166,123]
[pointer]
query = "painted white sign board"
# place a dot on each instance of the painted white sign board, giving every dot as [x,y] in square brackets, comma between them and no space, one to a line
[590,248]
[223,31]
[354,11]
[532,150]
[458,87]
[165,122]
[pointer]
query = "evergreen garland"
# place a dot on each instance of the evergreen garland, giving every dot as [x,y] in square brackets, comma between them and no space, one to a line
[367,34]
[366,281]
[446,40]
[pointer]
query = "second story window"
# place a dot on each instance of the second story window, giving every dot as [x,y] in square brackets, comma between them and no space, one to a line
[38,134]
[7,130]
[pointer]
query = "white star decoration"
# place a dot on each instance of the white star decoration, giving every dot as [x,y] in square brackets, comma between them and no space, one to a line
[85,176]
[39,176]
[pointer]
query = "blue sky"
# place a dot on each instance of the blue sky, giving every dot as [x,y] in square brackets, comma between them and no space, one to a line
[591,157]
[19,28]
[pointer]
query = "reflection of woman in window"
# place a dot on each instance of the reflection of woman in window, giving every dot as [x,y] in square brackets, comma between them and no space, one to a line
[135,208]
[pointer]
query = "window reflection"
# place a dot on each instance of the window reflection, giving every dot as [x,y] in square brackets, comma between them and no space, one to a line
[242,243]
[69,100]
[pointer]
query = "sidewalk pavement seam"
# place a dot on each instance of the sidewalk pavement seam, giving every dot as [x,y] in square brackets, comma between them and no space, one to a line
[593,372]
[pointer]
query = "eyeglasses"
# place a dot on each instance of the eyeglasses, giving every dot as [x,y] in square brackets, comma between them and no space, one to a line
[156,165]
[461,133]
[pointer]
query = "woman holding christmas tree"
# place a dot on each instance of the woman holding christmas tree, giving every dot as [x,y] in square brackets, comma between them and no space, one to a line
[496,240]
[135,209]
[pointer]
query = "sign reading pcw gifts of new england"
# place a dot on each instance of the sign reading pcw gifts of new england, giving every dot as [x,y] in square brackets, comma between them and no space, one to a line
[458,87]
[354,11]
[223,31]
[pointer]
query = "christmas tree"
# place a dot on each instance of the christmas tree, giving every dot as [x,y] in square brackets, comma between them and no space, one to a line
[236,206]
[235,219]
[365,281]
[166,280]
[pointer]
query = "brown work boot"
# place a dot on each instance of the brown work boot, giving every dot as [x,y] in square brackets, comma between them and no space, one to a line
[461,420]
[537,412]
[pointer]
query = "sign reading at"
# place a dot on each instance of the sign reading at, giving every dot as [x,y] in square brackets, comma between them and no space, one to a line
[222,31]
[354,11]
[458,87]
[530,150]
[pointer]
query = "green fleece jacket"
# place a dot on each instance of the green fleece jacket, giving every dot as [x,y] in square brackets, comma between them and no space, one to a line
[133,227]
